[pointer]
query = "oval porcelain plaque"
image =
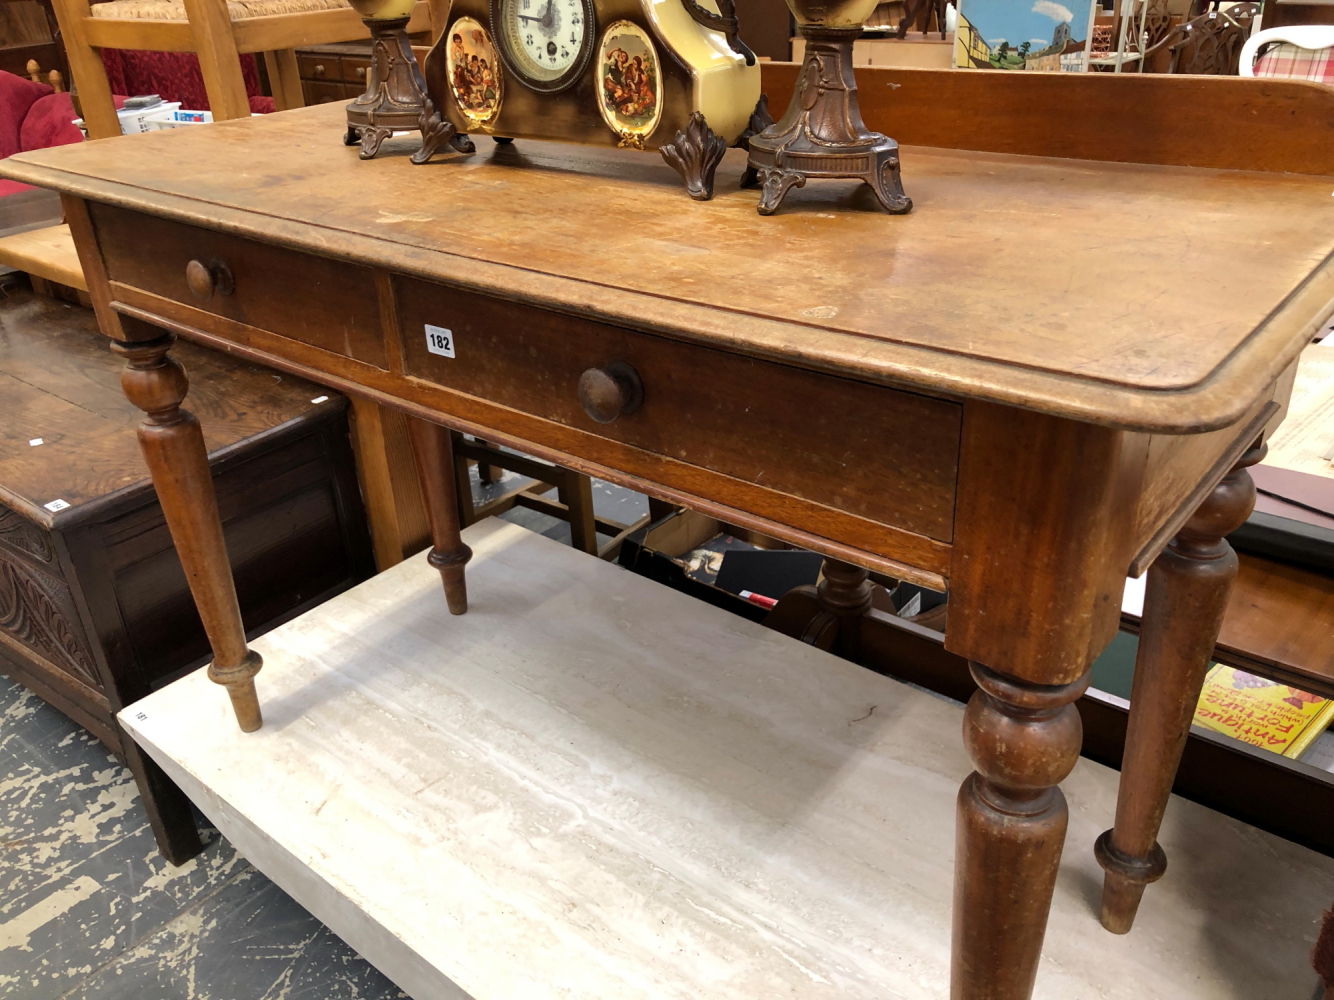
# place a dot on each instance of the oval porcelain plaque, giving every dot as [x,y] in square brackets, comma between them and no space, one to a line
[474,70]
[629,83]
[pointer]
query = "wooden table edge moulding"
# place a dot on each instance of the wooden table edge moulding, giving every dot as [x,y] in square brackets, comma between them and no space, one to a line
[1049,485]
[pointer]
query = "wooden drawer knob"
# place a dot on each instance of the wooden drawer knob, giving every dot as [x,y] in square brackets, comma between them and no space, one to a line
[361,72]
[319,69]
[206,280]
[606,393]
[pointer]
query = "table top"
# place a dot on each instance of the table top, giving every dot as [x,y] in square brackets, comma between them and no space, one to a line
[1150,297]
[61,386]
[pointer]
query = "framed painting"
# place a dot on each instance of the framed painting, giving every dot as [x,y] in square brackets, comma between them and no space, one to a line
[1044,35]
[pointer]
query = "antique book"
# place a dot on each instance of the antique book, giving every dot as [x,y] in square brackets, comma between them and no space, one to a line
[1263,713]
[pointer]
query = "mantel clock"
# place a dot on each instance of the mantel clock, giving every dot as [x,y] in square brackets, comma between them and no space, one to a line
[671,75]
[666,74]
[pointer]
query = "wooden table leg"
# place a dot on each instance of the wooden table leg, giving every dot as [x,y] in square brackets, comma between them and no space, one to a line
[575,490]
[173,447]
[486,473]
[1184,601]
[844,591]
[433,447]
[1024,739]
[463,484]
[828,616]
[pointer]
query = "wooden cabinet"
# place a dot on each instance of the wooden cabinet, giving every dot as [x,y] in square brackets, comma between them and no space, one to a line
[334,72]
[28,31]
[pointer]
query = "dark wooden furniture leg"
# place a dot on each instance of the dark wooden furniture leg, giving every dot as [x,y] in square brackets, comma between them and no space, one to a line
[462,483]
[1184,602]
[828,616]
[1024,740]
[658,509]
[433,447]
[487,473]
[173,447]
[575,491]
[169,813]
[844,591]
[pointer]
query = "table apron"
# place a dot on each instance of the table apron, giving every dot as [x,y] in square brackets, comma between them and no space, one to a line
[799,521]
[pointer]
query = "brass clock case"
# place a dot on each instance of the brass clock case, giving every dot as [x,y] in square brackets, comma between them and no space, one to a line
[502,25]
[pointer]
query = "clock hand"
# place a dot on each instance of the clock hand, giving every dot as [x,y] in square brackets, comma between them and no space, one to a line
[549,18]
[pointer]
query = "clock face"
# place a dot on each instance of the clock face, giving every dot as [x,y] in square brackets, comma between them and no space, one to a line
[546,43]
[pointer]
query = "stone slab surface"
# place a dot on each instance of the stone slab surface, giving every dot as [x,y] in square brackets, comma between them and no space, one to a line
[594,787]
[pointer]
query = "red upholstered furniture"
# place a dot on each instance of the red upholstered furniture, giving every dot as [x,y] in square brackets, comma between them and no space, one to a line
[32,116]
[21,100]
[174,76]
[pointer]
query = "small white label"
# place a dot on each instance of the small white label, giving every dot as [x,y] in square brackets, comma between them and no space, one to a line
[36,441]
[440,341]
[55,505]
[320,399]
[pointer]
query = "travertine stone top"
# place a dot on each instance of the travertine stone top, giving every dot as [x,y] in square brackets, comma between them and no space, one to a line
[591,786]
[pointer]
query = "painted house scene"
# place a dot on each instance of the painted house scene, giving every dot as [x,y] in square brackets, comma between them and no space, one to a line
[1043,35]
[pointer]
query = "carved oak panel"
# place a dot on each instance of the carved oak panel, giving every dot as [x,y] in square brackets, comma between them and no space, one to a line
[38,611]
[21,535]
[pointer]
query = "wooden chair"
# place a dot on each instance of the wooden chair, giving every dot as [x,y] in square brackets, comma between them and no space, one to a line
[1211,44]
[573,503]
[218,32]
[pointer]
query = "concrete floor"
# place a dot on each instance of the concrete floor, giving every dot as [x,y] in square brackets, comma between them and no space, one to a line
[90,911]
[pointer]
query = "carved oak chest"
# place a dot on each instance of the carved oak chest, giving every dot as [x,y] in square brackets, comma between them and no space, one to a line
[95,610]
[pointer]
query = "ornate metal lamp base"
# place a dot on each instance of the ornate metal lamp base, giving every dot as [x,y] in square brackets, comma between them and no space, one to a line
[396,99]
[822,134]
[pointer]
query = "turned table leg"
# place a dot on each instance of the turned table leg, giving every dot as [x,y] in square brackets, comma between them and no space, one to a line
[433,448]
[173,447]
[844,591]
[1184,601]
[1024,739]
[828,616]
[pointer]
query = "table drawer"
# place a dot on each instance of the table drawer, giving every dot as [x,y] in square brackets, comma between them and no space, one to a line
[354,70]
[327,92]
[313,300]
[868,450]
[319,67]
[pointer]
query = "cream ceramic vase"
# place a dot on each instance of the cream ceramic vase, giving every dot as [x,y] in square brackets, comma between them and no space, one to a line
[383,10]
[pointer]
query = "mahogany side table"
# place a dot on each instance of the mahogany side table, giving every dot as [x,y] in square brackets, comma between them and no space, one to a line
[1022,390]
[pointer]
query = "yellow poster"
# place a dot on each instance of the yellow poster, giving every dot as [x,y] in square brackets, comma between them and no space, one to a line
[1263,713]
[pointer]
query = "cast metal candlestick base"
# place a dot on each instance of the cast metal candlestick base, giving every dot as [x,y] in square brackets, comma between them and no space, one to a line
[822,133]
[396,99]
